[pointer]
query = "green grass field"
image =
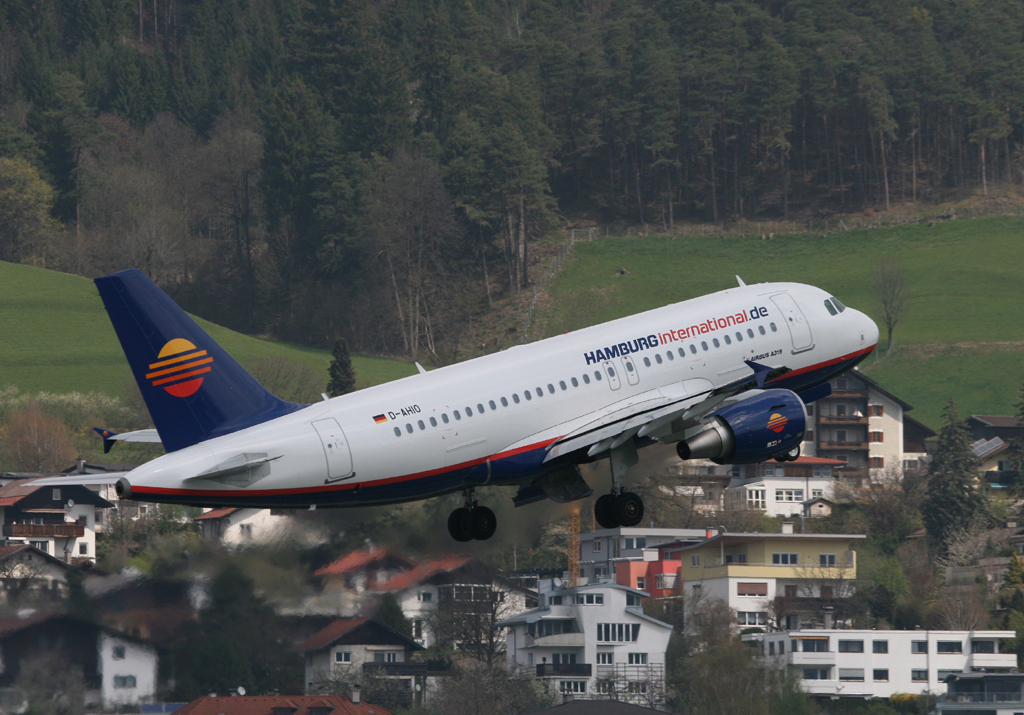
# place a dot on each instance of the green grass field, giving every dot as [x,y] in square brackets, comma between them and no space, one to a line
[56,337]
[963,335]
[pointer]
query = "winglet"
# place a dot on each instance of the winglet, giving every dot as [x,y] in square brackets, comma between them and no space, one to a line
[740,281]
[108,438]
[760,371]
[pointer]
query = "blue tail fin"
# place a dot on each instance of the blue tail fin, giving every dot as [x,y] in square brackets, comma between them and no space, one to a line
[194,390]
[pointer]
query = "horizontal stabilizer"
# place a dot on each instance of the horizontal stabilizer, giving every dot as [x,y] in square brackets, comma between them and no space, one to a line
[77,480]
[142,435]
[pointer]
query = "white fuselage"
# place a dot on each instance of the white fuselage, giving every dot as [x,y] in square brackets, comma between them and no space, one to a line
[472,423]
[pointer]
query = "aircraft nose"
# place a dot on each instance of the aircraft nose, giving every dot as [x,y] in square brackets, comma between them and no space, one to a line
[868,331]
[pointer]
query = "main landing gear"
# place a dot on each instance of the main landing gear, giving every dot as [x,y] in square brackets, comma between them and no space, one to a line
[472,521]
[620,508]
[790,456]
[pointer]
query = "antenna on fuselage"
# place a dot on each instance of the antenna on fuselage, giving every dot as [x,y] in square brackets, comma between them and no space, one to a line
[740,281]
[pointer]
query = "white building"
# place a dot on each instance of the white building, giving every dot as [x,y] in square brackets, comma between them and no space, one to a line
[782,489]
[872,663]
[591,642]
[127,669]
[59,521]
[241,527]
[601,549]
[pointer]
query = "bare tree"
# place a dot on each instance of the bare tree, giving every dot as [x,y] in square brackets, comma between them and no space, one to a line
[287,379]
[51,686]
[961,608]
[36,441]
[889,279]
[488,691]
[467,617]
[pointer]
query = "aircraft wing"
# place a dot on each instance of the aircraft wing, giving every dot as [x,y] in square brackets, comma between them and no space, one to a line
[664,416]
[69,480]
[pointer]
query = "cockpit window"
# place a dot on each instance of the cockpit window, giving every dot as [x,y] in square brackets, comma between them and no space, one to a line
[831,308]
[839,305]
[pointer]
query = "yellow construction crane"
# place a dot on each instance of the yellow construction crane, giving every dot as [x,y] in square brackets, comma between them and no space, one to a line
[574,548]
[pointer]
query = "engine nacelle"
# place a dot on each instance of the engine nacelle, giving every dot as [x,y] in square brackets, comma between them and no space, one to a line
[754,430]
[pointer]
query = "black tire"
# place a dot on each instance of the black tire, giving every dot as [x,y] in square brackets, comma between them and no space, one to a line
[458,522]
[628,509]
[793,454]
[604,511]
[482,523]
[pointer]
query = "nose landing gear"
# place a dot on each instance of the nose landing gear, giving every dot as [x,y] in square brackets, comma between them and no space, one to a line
[472,521]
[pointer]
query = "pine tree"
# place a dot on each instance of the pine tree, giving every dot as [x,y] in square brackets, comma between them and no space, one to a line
[953,496]
[389,612]
[342,375]
[1014,577]
[1015,455]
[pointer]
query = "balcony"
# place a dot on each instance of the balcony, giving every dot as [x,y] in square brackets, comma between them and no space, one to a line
[406,668]
[559,640]
[575,670]
[841,420]
[844,446]
[848,395]
[44,530]
[992,661]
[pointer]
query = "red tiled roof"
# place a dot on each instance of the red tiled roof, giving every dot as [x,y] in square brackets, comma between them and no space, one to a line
[266,704]
[817,460]
[14,492]
[216,514]
[357,560]
[422,572]
[334,631]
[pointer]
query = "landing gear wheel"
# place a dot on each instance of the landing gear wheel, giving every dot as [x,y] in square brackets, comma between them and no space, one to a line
[793,454]
[458,522]
[628,509]
[482,523]
[604,511]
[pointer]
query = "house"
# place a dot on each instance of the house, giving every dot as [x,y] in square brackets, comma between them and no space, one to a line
[601,549]
[780,489]
[591,642]
[787,580]
[818,507]
[118,669]
[453,584]
[351,651]
[26,570]
[879,664]
[347,580]
[281,705]
[865,426]
[995,693]
[991,426]
[59,521]
[239,527]
[994,457]
[151,608]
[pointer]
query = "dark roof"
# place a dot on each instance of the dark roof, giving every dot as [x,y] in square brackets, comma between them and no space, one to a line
[996,420]
[358,631]
[596,707]
[985,448]
[269,704]
[14,492]
[910,421]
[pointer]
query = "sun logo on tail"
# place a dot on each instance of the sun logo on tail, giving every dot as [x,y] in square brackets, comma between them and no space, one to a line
[776,423]
[179,369]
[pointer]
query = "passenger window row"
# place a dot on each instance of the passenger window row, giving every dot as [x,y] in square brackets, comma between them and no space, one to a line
[714,341]
[528,395]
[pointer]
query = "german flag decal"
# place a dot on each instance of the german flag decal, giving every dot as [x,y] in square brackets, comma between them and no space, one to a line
[776,423]
[380,418]
[180,369]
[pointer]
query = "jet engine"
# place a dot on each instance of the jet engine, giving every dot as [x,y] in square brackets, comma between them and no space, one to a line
[769,424]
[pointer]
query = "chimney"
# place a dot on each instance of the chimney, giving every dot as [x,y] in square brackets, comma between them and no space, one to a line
[566,698]
[80,465]
[708,533]
[787,527]
[355,694]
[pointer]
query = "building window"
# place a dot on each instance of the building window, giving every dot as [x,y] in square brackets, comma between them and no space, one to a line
[876,462]
[784,559]
[605,658]
[790,591]
[751,589]
[826,559]
[118,652]
[342,657]
[816,674]
[949,647]
[43,546]
[617,632]
[755,499]
[694,561]
[880,675]
[851,646]
[638,659]
[817,493]
[426,596]
[876,437]
[809,436]
[919,676]
[983,646]
[124,681]
[840,435]
[56,494]
[666,581]
[855,675]
[597,545]
[572,686]
[633,599]
[810,410]
[826,592]
[83,549]
[641,583]
[790,495]
[918,646]
[815,645]
[752,618]
[880,647]
[875,410]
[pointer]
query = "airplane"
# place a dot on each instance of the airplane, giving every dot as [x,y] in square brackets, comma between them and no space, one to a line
[725,377]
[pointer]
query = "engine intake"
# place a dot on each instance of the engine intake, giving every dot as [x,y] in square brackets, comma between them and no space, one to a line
[766,425]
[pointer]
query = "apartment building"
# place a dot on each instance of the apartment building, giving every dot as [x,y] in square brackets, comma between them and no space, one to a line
[866,427]
[601,549]
[591,642]
[783,580]
[782,489]
[879,664]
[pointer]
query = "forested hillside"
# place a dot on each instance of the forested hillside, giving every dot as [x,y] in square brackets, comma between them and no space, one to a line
[378,170]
